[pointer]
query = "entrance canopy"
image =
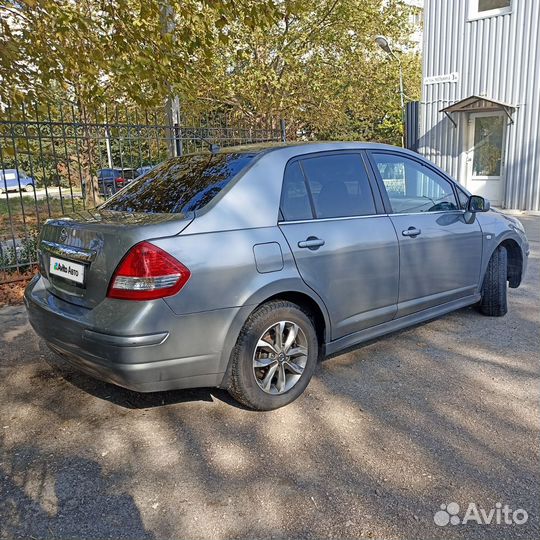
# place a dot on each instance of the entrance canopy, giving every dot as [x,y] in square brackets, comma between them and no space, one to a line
[474,104]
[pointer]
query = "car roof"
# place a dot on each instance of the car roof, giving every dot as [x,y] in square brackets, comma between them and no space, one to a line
[307,147]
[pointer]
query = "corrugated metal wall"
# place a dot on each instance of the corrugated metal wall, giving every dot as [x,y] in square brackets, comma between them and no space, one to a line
[497,57]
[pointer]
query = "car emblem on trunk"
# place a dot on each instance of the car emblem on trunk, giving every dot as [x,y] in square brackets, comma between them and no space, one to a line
[63,235]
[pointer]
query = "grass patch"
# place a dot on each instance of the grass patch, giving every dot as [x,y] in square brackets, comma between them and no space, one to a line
[18,218]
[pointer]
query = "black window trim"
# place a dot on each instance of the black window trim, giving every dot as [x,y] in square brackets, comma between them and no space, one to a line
[421,162]
[462,189]
[281,217]
[380,209]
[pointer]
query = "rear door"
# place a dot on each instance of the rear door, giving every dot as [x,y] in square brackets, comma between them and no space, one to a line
[344,248]
[440,251]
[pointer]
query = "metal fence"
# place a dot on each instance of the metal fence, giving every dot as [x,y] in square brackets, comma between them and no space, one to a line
[60,159]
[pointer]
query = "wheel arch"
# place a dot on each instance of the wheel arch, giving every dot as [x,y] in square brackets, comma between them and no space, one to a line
[291,290]
[514,262]
[307,302]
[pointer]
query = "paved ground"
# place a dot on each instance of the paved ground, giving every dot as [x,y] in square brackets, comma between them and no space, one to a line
[444,412]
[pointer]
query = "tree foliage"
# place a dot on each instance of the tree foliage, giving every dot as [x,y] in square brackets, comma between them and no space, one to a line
[319,67]
[312,62]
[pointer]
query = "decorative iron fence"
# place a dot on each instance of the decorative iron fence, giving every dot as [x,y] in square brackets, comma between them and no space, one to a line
[60,159]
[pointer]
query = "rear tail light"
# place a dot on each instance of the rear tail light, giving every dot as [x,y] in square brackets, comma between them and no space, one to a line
[146,273]
[120,181]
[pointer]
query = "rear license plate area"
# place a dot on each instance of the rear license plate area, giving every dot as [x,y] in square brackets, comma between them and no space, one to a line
[70,271]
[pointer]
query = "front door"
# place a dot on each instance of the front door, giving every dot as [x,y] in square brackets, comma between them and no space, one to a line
[440,251]
[485,158]
[344,250]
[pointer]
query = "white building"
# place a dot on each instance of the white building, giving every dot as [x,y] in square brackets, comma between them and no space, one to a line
[480,108]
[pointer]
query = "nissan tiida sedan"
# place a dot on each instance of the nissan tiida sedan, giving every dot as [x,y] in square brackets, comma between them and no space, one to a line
[240,269]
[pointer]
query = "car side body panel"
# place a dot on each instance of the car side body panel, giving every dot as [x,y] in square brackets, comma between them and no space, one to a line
[239,256]
[356,271]
[441,264]
[223,267]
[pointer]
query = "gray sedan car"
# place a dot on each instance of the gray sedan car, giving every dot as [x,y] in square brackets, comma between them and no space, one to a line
[241,269]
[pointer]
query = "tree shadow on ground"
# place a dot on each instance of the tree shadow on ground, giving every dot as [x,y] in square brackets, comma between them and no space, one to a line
[63,497]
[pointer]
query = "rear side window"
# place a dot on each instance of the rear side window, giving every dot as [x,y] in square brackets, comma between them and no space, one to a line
[339,186]
[179,185]
[295,203]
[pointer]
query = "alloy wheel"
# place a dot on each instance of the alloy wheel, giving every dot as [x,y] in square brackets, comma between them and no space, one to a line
[280,357]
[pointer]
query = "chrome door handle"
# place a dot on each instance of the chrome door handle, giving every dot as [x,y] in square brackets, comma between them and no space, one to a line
[411,231]
[311,242]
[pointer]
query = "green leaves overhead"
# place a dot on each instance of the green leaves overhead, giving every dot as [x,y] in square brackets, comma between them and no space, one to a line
[313,62]
[317,66]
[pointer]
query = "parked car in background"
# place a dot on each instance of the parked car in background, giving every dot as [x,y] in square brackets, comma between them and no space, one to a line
[15,180]
[114,179]
[241,269]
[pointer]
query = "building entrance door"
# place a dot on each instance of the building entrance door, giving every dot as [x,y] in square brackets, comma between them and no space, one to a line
[485,158]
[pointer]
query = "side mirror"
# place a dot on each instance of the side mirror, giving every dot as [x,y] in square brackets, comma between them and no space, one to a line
[478,204]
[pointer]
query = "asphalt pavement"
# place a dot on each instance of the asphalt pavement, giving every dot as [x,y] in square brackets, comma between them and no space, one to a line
[445,413]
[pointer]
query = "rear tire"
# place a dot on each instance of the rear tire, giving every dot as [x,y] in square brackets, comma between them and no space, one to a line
[274,374]
[494,289]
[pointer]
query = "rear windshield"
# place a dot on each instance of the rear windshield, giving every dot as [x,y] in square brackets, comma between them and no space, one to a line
[179,185]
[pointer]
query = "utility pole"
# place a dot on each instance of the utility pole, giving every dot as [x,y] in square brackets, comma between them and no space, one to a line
[383,43]
[108,146]
[172,104]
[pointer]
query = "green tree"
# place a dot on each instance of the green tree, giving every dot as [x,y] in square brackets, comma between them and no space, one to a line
[312,62]
[318,66]
[93,51]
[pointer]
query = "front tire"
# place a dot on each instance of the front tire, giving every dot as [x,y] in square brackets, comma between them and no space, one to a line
[494,289]
[275,356]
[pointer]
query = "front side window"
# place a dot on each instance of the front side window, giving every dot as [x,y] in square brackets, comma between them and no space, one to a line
[179,185]
[339,186]
[412,187]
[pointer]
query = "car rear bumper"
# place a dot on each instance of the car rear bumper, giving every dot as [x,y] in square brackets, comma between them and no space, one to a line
[167,351]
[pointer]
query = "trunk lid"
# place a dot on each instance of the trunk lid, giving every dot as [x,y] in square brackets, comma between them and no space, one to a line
[78,253]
